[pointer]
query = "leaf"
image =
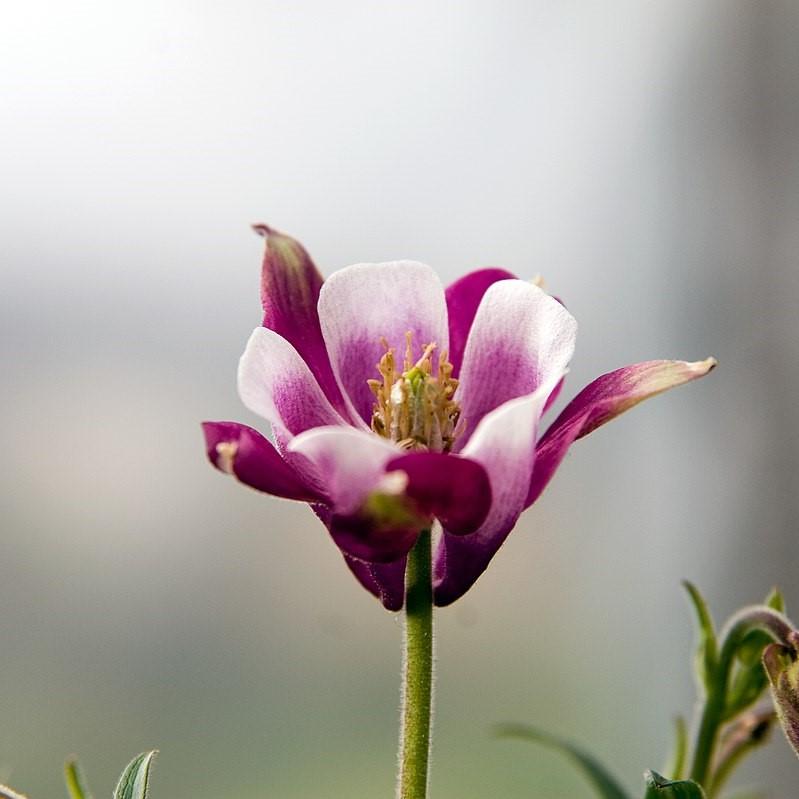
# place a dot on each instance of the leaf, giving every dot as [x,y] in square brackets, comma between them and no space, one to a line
[658,787]
[747,687]
[707,652]
[604,783]
[133,782]
[676,765]
[76,782]
[775,600]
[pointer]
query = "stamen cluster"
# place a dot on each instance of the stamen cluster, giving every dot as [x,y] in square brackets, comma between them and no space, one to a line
[413,407]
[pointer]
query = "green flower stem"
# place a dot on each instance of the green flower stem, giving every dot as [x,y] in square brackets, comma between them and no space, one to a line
[417,693]
[756,617]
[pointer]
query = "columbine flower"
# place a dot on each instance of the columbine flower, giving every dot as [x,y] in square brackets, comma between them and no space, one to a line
[393,402]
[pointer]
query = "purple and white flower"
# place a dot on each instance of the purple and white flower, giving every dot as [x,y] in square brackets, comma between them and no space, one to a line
[394,402]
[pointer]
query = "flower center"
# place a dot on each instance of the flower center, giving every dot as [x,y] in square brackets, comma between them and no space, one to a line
[415,407]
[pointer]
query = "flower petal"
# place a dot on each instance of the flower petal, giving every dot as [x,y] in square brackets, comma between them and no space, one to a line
[378,535]
[362,304]
[463,298]
[380,499]
[504,443]
[276,383]
[385,580]
[349,463]
[520,338]
[453,489]
[602,400]
[414,489]
[290,285]
[243,452]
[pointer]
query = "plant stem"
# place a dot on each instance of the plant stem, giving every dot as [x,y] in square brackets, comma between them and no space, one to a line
[417,693]
[751,618]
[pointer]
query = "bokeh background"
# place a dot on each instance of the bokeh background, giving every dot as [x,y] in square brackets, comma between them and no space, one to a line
[643,157]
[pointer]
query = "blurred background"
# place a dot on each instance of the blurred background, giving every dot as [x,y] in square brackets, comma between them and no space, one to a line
[643,157]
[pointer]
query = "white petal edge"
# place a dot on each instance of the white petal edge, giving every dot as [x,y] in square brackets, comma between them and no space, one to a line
[504,443]
[520,337]
[348,463]
[275,383]
[361,304]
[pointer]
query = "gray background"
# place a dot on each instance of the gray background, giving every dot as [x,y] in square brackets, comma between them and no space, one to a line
[641,156]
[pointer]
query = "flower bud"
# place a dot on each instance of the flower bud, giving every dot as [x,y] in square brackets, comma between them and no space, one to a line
[782,667]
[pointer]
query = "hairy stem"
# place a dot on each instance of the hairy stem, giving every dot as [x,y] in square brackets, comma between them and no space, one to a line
[751,618]
[417,693]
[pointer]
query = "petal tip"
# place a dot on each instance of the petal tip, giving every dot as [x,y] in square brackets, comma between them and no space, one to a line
[262,230]
[701,368]
[220,447]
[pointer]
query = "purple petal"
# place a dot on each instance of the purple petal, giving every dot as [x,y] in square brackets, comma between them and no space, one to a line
[385,580]
[520,338]
[504,443]
[602,400]
[290,285]
[370,518]
[376,538]
[276,383]
[362,304]
[463,298]
[243,452]
[453,489]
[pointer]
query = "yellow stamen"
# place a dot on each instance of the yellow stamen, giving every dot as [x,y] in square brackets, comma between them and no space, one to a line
[415,408]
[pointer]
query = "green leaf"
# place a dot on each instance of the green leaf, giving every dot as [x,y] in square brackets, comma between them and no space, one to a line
[7,793]
[676,766]
[747,687]
[775,600]
[658,787]
[76,782]
[603,782]
[133,782]
[707,651]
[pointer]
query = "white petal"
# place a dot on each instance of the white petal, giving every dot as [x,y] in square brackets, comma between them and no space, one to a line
[362,304]
[520,338]
[504,443]
[348,463]
[276,383]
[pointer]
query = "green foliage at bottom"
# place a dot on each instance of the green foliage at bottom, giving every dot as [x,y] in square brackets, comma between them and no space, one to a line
[603,782]
[658,787]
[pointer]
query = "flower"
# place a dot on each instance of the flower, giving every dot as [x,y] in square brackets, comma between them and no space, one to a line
[393,402]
